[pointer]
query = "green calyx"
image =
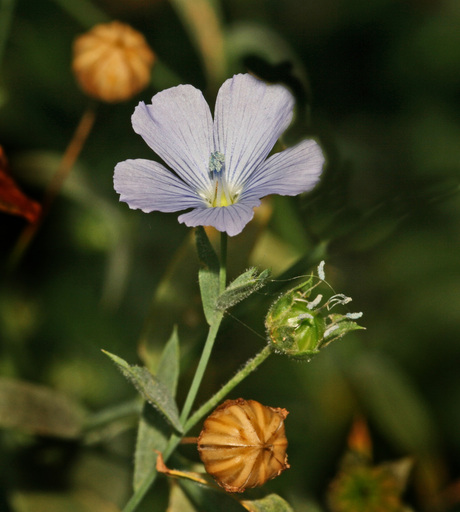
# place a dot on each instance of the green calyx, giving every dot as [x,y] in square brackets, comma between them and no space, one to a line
[298,325]
[293,328]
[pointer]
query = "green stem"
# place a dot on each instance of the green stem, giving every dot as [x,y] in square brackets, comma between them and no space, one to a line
[205,355]
[111,414]
[141,491]
[248,368]
[212,333]
[223,262]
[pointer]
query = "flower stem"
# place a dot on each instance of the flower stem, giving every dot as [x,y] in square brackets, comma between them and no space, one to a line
[223,262]
[84,12]
[202,20]
[205,355]
[249,367]
[212,333]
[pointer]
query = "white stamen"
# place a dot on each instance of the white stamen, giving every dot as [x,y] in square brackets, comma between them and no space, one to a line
[340,298]
[304,316]
[354,316]
[330,329]
[321,273]
[315,302]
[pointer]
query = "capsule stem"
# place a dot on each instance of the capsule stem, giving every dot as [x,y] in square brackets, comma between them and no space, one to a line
[189,440]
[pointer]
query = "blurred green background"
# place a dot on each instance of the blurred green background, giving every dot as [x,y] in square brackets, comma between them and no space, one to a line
[378,83]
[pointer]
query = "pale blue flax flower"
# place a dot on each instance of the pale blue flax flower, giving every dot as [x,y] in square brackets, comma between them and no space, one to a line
[218,168]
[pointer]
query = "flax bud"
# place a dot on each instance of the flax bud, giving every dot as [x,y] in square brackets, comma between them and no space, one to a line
[243,444]
[112,62]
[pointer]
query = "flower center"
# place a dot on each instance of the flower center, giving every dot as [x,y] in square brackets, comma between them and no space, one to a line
[220,194]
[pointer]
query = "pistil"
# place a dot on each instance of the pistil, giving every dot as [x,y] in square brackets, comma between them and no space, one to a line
[220,195]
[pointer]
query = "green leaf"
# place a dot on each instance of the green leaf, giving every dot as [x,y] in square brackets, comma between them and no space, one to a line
[153,432]
[151,389]
[168,367]
[208,274]
[271,503]
[152,435]
[38,410]
[78,500]
[178,502]
[243,286]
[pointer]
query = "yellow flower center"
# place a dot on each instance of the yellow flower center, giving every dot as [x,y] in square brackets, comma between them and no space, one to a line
[220,195]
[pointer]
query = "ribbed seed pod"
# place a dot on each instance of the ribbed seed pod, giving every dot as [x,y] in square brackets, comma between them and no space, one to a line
[243,444]
[112,62]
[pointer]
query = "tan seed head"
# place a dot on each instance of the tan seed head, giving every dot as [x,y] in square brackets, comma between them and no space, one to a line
[112,62]
[243,444]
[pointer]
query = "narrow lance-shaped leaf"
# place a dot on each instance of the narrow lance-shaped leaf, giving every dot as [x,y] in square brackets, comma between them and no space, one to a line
[271,503]
[151,389]
[208,275]
[243,286]
[153,432]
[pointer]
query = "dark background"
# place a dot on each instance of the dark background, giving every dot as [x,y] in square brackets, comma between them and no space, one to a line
[378,83]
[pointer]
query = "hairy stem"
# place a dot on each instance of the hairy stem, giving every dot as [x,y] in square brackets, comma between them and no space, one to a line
[248,368]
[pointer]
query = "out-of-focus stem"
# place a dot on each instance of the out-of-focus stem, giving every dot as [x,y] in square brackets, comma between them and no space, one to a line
[201,20]
[67,162]
[84,11]
[6,16]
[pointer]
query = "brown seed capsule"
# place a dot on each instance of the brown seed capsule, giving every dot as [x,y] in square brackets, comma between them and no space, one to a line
[112,62]
[243,444]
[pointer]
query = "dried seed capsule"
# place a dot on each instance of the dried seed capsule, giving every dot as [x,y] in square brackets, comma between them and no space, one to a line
[112,62]
[243,444]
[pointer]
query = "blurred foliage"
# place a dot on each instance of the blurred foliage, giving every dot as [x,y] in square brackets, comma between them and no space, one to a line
[378,84]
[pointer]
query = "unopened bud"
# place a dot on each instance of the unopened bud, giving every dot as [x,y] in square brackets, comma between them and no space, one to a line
[112,62]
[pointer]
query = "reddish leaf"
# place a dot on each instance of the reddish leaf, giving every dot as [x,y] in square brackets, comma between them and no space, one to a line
[12,200]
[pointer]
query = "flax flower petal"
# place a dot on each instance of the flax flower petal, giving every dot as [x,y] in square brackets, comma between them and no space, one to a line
[178,127]
[148,186]
[231,219]
[288,173]
[249,118]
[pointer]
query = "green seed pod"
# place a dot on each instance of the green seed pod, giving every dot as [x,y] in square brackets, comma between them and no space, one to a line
[294,326]
[299,325]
